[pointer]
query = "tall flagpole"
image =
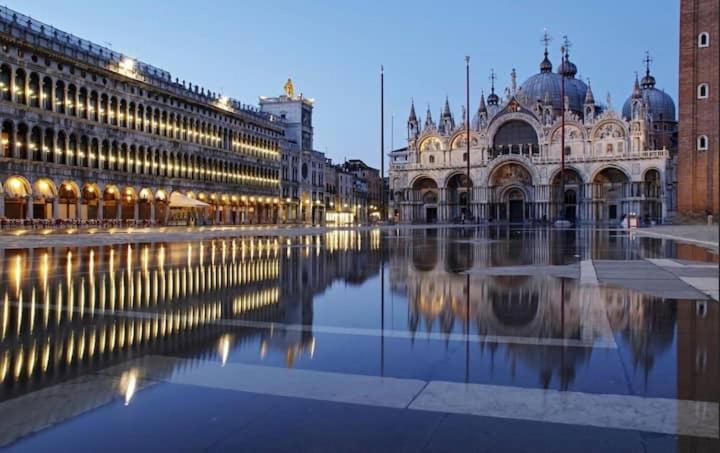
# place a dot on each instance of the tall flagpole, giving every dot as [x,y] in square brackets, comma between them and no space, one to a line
[382,143]
[562,131]
[467,131]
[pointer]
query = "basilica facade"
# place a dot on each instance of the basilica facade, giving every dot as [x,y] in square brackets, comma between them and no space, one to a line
[616,162]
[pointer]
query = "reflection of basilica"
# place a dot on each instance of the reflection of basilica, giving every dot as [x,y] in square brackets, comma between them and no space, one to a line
[616,162]
[429,268]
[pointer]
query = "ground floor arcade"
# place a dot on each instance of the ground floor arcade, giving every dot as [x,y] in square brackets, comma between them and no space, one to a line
[511,195]
[82,202]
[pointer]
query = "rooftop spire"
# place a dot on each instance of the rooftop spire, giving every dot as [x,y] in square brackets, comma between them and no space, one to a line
[589,97]
[493,98]
[446,108]
[482,108]
[648,81]
[637,93]
[412,117]
[546,65]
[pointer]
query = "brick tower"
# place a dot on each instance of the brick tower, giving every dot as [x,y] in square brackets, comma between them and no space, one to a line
[699,121]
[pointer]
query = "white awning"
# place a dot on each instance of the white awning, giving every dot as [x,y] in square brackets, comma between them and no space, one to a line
[178,200]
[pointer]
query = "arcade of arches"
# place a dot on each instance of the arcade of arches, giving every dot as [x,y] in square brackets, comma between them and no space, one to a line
[45,198]
[512,195]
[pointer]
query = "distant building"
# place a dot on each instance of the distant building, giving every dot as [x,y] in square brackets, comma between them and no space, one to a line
[699,129]
[616,162]
[370,177]
[345,195]
[302,168]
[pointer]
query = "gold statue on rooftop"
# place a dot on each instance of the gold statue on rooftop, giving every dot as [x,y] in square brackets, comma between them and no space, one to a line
[289,88]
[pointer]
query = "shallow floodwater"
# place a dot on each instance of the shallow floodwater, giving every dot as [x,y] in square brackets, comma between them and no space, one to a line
[502,307]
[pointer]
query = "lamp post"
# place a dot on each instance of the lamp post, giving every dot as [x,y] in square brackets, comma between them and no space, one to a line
[467,129]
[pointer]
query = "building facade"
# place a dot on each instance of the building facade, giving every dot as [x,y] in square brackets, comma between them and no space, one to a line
[616,163]
[371,177]
[88,133]
[303,169]
[699,102]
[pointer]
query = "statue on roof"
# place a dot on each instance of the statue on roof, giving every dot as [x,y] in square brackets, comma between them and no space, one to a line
[289,88]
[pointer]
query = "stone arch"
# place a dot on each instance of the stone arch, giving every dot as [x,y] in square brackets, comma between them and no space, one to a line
[501,120]
[524,162]
[457,140]
[18,197]
[417,181]
[17,186]
[44,188]
[599,170]
[431,142]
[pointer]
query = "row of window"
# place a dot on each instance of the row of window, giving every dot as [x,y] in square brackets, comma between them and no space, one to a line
[158,97]
[65,98]
[40,145]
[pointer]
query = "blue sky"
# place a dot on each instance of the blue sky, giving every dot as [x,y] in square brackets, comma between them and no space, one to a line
[333,50]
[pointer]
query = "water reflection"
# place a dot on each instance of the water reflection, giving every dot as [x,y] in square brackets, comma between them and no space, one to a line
[69,311]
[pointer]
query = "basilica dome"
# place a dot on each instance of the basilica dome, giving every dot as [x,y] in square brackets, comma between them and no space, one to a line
[660,105]
[546,86]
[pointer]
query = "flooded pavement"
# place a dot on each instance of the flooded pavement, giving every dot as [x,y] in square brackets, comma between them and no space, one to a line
[491,339]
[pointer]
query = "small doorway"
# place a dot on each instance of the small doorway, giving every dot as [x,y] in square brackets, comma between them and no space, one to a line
[431,215]
[516,206]
[516,211]
[570,205]
[612,212]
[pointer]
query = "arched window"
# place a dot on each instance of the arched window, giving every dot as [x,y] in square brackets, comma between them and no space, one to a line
[431,159]
[609,148]
[704,39]
[702,143]
[34,90]
[5,76]
[465,157]
[703,91]
[20,97]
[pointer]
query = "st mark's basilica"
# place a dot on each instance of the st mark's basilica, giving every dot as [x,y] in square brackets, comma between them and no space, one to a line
[616,162]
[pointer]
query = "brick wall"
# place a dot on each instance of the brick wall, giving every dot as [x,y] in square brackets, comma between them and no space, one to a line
[698,180]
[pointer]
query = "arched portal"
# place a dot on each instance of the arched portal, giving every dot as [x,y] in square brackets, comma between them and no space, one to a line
[17,195]
[44,193]
[610,185]
[145,202]
[425,194]
[90,202]
[111,202]
[128,203]
[567,202]
[68,196]
[458,196]
[512,188]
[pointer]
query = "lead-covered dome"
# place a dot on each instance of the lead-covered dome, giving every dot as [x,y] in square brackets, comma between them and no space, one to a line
[660,105]
[547,86]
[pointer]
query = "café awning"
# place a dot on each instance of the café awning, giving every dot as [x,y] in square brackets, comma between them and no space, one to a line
[178,200]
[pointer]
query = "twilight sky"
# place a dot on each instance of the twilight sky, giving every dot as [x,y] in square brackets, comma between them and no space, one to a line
[333,50]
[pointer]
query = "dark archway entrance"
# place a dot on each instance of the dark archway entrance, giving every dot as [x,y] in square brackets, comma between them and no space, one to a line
[516,206]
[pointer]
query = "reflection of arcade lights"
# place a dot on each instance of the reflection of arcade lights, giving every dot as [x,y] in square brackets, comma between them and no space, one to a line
[128,384]
[224,348]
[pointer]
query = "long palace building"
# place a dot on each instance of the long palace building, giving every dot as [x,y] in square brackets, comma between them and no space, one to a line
[89,133]
[617,162]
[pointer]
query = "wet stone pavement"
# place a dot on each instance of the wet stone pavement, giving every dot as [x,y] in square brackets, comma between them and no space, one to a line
[462,339]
